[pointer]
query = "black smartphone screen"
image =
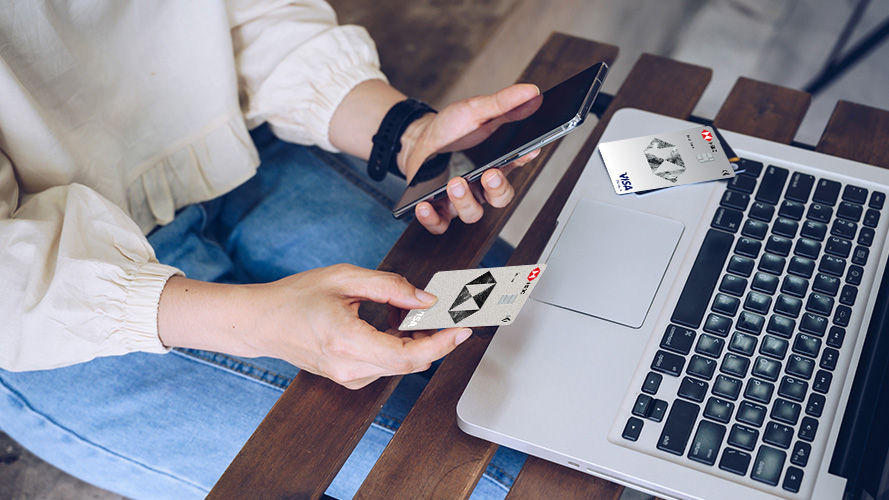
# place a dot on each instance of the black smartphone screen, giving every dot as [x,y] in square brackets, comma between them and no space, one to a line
[506,138]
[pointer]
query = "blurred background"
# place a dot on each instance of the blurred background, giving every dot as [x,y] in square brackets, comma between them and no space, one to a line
[443,50]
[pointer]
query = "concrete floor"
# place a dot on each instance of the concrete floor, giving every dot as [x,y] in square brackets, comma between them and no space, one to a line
[780,41]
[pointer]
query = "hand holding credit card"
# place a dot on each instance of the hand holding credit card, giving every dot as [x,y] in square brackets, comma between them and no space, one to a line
[665,160]
[475,297]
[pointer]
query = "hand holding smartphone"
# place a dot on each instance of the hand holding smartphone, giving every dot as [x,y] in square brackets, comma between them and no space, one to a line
[504,139]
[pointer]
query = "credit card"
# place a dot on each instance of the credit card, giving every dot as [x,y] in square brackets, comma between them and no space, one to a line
[665,160]
[475,297]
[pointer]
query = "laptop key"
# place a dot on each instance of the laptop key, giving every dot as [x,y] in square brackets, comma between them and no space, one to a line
[799,187]
[813,230]
[774,347]
[807,345]
[751,413]
[781,326]
[701,367]
[844,229]
[793,479]
[759,390]
[801,266]
[835,337]
[742,343]
[800,366]
[768,465]
[819,212]
[871,218]
[793,388]
[855,194]
[719,410]
[807,429]
[702,279]
[735,461]
[772,184]
[826,284]
[678,339]
[848,296]
[736,200]
[741,266]
[814,324]
[849,211]
[765,283]
[743,437]
[865,236]
[678,426]
[658,410]
[693,389]
[706,443]
[859,257]
[786,411]
[821,382]
[829,358]
[842,316]
[815,405]
[755,229]
[876,200]
[801,453]
[778,434]
[718,325]
[734,365]
[652,383]
[669,363]
[750,322]
[727,387]
[632,429]
[709,345]
[727,219]
[762,211]
[853,277]
[642,406]
[765,368]
[838,247]
[827,192]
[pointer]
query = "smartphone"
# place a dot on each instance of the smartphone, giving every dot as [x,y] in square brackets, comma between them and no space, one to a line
[502,140]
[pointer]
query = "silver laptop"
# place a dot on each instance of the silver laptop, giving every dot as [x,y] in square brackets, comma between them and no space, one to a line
[710,341]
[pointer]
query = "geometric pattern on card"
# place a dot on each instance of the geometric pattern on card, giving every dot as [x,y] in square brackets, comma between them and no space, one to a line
[472,297]
[664,160]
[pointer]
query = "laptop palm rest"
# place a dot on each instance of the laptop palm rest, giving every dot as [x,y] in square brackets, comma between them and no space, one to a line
[609,262]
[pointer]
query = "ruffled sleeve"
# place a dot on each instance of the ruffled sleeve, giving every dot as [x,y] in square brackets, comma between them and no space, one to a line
[296,65]
[86,280]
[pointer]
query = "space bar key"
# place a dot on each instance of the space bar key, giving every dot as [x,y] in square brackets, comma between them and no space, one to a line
[702,279]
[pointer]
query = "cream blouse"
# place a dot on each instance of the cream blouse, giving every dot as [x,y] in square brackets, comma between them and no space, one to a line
[113,115]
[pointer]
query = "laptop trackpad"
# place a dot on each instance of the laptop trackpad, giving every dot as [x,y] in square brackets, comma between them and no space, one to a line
[609,262]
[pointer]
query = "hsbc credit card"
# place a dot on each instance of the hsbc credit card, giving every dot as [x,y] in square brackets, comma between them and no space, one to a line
[475,297]
[665,160]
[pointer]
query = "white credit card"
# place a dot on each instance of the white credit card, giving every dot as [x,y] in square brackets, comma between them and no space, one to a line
[475,297]
[665,160]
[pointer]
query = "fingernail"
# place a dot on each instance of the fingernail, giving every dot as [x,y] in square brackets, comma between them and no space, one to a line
[425,296]
[462,335]
[494,181]
[458,190]
[423,210]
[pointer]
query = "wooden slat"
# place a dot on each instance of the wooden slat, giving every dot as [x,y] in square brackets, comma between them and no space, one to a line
[458,460]
[310,432]
[677,89]
[763,110]
[541,479]
[857,132]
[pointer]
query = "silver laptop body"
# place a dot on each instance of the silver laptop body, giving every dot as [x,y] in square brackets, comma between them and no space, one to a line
[562,383]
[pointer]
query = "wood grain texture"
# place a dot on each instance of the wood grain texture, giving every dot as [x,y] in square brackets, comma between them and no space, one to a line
[541,479]
[453,469]
[857,132]
[763,110]
[310,432]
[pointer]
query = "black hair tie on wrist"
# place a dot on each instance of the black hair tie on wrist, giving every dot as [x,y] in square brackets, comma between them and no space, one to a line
[387,141]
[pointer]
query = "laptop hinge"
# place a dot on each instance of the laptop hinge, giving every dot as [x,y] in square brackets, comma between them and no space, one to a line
[863,441]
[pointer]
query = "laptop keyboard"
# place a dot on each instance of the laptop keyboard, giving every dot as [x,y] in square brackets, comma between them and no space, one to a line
[760,326]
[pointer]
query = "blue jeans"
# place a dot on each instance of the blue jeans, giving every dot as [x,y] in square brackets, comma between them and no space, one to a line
[166,426]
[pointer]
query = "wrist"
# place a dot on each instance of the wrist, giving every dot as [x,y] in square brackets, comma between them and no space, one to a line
[409,140]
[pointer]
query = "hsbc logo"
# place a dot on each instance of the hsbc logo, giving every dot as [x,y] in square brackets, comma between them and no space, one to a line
[534,274]
[706,135]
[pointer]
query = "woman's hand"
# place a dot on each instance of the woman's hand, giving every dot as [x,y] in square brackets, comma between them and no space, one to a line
[459,126]
[309,319]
